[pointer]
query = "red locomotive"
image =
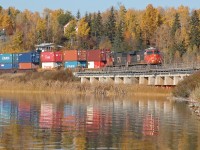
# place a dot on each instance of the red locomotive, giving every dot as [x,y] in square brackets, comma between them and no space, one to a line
[152,56]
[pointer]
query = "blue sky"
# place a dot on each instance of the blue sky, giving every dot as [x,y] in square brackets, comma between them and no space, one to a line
[93,5]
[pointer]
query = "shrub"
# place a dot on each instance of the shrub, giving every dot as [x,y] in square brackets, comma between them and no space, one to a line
[185,87]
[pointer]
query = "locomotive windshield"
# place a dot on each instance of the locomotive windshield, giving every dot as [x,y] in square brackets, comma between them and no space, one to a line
[156,52]
[152,52]
[149,52]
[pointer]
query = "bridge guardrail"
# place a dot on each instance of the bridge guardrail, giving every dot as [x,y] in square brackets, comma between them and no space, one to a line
[135,73]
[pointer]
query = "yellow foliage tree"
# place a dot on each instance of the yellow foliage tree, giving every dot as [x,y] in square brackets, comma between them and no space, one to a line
[150,22]
[82,29]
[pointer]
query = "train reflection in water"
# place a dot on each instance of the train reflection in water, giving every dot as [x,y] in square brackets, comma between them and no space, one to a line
[90,124]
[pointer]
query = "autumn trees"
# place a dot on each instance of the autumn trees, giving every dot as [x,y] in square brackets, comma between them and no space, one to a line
[175,31]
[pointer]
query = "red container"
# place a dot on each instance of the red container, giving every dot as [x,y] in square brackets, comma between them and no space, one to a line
[59,56]
[46,115]
[47,57]
[99,64]
[96,55]
[57,119]
[27,66]
[74,55]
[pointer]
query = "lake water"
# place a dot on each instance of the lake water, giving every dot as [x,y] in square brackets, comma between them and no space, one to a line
[89,122]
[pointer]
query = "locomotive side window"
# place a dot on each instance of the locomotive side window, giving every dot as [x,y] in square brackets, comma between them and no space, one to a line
[149,52]
[156,52]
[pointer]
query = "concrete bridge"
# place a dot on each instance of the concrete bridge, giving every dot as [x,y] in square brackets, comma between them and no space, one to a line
[155,76]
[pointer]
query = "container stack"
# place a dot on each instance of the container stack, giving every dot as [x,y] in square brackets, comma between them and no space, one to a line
[29,60]
[8,61]
[75,58]
[51,60]
[97,58]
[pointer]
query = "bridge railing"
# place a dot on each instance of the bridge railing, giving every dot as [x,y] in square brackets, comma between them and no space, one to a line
[178,68]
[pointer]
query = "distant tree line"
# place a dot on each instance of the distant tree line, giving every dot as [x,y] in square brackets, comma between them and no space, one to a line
[176,32]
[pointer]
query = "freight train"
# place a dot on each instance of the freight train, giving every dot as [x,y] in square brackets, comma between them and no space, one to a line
[78,59]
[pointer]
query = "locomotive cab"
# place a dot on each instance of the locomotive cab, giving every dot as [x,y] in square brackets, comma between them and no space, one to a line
[152,56]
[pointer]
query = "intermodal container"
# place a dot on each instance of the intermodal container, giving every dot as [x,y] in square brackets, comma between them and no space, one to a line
[49,65]
[75,55]
[6,58]
[29,57]
[47,57]
[37,57]
[46,115]
[90,64]
[99,64]
[24,113]
[25,57]
[27,66]
[58,56]
[5,112]
[15,58]
[6,66]
[96,55]
[75,64]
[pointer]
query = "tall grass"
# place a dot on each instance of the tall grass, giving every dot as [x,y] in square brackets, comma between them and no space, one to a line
[65,82]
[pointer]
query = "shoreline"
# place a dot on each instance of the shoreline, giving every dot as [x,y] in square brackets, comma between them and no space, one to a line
[193,105]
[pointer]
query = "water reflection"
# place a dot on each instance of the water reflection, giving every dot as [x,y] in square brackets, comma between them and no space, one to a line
[59,122]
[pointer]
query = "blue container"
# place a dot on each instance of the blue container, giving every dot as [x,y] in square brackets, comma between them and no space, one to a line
[36,58]
[5,110]
[29,57]
[6,66]
[83,64]
[15,62]
[75,64]
[25,57]
[6,58]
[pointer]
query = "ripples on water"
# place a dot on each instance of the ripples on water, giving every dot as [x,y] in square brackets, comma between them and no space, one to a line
[51,122]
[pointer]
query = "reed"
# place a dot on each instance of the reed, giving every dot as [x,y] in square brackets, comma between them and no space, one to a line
[65,82]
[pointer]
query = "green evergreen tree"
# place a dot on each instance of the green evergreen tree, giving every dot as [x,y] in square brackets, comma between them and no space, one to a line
[78,15]
[111,25]
[63,19]
[194,29]
[1,8]
[118,40]
[176,25]
[99,24]
[93,26]
[88,19]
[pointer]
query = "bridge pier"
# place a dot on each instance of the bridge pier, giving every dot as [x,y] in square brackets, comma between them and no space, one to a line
[151,80]
[109,79]
[176,80]
[118,80]
[102,79]
[159,80]
[85,80]
[128,80]
[93,80]
[168,80]
[143,80]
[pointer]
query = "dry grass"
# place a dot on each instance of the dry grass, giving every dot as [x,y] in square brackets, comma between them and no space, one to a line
[65,82]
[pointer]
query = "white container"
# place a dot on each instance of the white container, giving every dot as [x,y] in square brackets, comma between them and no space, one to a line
[49,65]
[90,64]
